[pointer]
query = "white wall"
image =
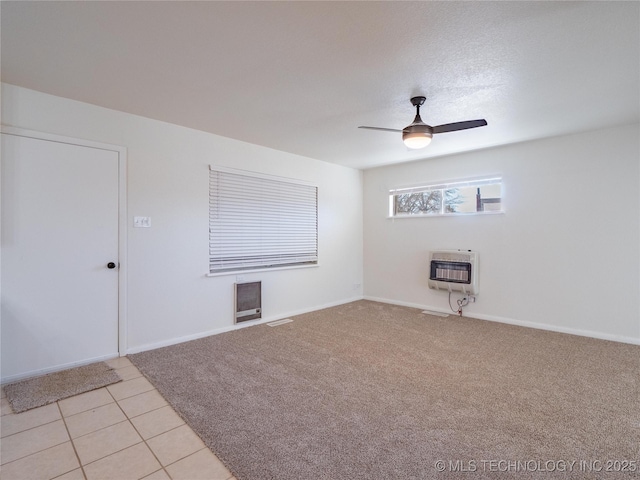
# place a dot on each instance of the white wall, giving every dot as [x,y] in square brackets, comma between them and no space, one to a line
[580,258]
[169,296]
[564,256]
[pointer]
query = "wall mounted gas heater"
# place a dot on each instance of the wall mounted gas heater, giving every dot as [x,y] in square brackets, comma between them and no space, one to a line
[248,301]
[454,271]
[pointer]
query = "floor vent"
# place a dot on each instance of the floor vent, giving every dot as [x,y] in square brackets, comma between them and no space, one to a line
[279,322]
[435,314]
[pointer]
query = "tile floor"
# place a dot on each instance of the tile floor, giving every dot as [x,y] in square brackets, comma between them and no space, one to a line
[125,431]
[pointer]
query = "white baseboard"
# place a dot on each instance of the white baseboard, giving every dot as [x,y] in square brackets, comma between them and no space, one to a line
[57,368]
[408,304]
[216,331]
[520,323]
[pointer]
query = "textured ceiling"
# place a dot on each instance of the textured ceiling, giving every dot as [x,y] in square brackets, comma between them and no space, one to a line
[302,76]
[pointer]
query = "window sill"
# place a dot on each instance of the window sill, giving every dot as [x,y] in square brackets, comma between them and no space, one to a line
[260,270]
[437,215]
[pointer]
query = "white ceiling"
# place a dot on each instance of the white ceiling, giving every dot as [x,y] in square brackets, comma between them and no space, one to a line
[302,76]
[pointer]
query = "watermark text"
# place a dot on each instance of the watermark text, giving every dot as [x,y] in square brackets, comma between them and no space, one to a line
[534,465]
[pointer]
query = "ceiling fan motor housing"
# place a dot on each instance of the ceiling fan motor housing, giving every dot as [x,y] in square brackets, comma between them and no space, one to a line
[417,127]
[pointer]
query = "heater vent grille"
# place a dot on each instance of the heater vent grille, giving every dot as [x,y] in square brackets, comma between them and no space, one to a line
[454,271]
[248,304]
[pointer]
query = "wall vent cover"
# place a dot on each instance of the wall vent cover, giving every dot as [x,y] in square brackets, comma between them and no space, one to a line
[248,302]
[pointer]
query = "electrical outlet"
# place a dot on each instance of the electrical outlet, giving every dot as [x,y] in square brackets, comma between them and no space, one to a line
[472,299]
[357,286]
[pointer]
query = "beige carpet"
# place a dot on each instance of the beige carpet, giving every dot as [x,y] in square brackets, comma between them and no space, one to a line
[374,391]
[39,391]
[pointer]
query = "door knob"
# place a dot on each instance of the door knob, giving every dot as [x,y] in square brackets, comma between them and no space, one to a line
[111,265]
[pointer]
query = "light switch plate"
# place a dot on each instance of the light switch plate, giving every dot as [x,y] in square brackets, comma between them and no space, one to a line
[142,222]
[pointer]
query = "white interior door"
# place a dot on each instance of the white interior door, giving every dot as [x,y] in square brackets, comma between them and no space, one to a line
[59,233]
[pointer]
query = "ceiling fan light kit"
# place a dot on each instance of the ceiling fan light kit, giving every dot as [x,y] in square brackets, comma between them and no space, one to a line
[419,134]
[416,140]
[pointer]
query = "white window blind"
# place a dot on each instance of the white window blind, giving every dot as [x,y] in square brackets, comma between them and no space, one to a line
[257,221]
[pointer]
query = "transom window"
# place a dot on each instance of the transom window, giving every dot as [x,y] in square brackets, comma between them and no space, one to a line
[481,195]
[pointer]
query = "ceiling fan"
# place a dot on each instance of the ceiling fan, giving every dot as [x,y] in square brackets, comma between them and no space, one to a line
[418,134]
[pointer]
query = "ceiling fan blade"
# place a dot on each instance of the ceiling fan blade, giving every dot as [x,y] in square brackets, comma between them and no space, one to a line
[453,127]
[383,129]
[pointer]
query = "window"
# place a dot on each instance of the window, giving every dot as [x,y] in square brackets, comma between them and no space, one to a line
[482,195]
[260,221]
